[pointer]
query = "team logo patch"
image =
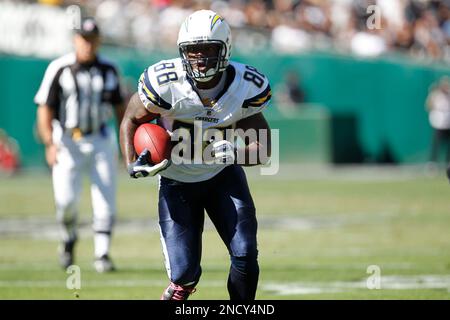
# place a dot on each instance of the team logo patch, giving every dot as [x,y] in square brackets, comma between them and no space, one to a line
[214,20]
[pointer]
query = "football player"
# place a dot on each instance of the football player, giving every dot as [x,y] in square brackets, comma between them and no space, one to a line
[203,86]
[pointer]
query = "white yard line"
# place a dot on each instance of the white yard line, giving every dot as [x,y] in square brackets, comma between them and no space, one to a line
[97,283]
[46,228]
[419,282]
[384,173]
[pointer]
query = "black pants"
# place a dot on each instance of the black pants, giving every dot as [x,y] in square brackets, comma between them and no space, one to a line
[229,204]
[440,137]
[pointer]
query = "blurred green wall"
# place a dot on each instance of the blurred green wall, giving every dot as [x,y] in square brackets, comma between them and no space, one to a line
[377,106]
[372,110]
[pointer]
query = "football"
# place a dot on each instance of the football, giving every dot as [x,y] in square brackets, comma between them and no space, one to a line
[155,139]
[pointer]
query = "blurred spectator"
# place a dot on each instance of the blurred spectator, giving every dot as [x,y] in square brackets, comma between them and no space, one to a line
[403,38]
[420,28]
[313,16]
[290,95]
[169,22]
[428,38]
[368,43]
[256,12]
[288,39]
[438,105]
[9,154]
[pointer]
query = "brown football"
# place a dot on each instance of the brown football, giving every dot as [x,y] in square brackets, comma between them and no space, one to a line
[155,139]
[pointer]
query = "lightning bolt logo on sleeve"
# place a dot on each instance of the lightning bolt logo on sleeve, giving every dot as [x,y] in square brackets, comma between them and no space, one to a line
[150,93]
[260,99]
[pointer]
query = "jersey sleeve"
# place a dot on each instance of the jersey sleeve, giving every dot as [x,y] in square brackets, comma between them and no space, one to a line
[257,98]
[154,97]
[54,94]
[49,85]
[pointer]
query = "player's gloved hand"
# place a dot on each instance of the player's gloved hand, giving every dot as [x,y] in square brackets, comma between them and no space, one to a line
[224,151]
[141,167]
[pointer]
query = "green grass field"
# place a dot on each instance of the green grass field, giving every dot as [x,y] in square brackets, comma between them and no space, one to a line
[319,230]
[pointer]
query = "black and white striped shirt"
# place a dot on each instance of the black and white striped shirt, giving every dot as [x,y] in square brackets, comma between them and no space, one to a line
[81,96]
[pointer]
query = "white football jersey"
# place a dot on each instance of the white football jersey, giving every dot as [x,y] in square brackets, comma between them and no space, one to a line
[165,89]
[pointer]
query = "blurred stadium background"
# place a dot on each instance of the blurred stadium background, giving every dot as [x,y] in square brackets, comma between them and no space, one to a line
[350,102]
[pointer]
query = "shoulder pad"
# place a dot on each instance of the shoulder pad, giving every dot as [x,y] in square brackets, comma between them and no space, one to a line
[258,93]
[154,85]
[49,76]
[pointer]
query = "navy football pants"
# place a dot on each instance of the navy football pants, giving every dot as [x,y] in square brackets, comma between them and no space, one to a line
[227,200]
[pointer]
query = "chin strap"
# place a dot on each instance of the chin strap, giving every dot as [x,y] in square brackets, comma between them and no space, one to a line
[203,79]
[206,77]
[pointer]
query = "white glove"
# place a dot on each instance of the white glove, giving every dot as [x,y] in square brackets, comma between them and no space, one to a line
[140,168]
[224,152]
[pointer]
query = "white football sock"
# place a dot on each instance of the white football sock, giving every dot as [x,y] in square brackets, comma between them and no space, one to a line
[101,243]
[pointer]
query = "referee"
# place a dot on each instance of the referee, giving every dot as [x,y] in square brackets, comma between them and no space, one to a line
[79,93]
